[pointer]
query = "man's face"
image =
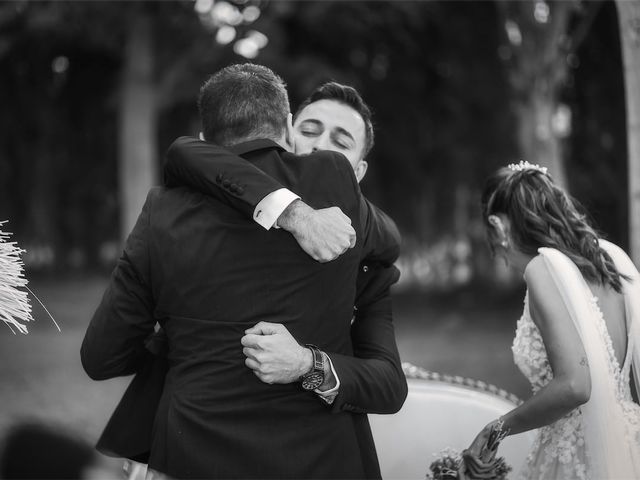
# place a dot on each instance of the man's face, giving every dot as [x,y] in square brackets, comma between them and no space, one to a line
[331,125]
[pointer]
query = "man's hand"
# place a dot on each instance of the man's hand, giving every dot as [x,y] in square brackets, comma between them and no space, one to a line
[274,355]
[323,234]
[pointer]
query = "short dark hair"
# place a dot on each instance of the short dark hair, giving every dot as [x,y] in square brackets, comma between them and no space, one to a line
[243,102]
[348,96]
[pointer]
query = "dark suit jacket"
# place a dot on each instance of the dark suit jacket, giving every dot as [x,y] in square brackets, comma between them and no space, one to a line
[371,381]
[206,273]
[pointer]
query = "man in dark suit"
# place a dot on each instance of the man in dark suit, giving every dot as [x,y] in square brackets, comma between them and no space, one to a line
[334,117]
[207,274]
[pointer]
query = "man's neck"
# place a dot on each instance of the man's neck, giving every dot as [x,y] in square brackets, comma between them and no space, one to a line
[282,141]
[284,144]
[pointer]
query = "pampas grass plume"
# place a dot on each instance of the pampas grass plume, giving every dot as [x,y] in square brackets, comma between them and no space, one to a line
[15,309]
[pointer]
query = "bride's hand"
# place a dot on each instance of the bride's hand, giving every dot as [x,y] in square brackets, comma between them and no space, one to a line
[479,447]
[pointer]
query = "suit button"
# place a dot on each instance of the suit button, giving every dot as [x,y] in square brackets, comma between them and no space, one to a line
[219,178]
[239,190]
[365,269]
[226,183]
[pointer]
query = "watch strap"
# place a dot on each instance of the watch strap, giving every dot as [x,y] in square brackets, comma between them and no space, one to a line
[318,359]
[314,377]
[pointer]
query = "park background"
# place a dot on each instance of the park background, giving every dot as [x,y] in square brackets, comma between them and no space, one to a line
[92,93]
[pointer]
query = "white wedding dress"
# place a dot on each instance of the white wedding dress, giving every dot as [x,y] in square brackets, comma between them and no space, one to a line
[601,439]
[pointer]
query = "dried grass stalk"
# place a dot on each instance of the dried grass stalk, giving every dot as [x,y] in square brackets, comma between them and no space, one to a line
[15,309]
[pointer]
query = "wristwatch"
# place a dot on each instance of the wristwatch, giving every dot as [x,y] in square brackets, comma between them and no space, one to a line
[314,377]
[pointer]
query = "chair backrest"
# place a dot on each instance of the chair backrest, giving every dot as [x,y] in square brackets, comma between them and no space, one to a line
[439,413]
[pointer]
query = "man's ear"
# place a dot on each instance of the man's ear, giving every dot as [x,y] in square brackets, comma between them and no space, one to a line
[289,133]
[361,170]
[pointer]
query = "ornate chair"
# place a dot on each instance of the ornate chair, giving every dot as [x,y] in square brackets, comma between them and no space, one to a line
[441,412]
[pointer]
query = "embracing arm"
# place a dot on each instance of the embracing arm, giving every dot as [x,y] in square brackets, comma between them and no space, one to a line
[215,171]
[369,381]
[324,234]
[571,383]
[372,380]
[114,343]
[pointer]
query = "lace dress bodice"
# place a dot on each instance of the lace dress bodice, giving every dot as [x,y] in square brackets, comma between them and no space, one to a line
[529,353]
[559,449]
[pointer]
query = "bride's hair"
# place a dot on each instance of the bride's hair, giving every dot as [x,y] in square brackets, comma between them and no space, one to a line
[542,214]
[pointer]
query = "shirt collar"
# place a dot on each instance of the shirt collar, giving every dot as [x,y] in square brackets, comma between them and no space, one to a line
[253,145]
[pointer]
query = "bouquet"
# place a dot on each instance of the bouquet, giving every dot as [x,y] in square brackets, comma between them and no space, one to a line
[465,466]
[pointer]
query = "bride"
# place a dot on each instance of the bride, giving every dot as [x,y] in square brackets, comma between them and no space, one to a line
[578,338]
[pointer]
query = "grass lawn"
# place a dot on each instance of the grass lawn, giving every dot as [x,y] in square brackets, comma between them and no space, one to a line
[466,334]
[41,373]
[41,376]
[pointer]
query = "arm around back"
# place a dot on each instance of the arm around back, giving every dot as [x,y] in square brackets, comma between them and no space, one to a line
[372,380]
[205,167]
[214,170]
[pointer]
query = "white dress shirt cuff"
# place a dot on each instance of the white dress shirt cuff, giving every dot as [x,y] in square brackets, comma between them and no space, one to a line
[330,395]
[271,207]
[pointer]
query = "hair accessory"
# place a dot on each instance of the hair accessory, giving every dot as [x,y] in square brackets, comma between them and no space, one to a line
[521,166]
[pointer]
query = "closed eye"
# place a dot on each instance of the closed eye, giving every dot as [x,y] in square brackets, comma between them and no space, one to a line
[309,133]
[343,140]
[310,128]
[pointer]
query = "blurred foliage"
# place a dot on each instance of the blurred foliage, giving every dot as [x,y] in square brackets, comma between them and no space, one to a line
[434,73]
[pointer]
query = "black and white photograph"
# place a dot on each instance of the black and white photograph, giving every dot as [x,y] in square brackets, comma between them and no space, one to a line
[320,239]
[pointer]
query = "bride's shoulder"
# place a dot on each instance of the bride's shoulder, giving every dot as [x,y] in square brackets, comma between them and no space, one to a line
[535,269]
[539,280]
[545,297]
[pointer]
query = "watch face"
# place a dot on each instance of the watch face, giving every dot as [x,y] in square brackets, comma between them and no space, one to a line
[312,380]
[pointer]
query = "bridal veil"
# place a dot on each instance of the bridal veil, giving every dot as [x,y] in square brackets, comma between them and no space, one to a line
[611,421]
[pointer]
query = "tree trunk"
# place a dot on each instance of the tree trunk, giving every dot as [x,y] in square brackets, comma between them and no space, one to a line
[538,141]
[537,59]
[137,136]
[43,207]
[629,20]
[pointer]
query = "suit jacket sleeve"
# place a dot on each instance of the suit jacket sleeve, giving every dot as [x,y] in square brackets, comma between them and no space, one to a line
[205,167]
[211,169]
[381,236]
[114,343]
[371,381]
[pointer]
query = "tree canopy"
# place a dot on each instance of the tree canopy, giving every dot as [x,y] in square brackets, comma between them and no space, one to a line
[438,75]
